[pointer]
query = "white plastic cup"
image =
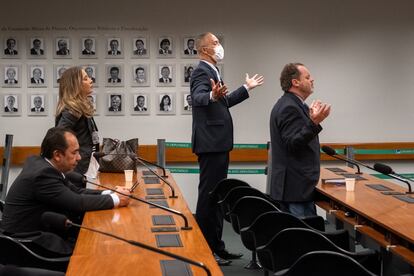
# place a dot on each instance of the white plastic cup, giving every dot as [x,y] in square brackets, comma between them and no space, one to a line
[350,184]
[128,175]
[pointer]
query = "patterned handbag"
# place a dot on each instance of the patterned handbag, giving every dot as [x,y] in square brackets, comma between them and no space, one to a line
[118,155]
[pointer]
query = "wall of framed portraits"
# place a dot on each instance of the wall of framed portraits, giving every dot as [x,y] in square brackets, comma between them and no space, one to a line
[140,55]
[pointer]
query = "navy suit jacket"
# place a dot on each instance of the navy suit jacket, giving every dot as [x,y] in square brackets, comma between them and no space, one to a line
[40,188]
[212,122]
[295,151]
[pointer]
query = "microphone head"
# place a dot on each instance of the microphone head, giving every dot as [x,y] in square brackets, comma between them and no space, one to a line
[75,177]
[382,168]
[133,156]
[55,221]
[328,150]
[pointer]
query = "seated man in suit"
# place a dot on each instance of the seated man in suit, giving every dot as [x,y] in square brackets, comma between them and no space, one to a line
[37,76]
[11,76]
[88,43]
[165,75]
[140,51]
[37,102]
[10,51]
[36,50]
[42,186]
[10,104]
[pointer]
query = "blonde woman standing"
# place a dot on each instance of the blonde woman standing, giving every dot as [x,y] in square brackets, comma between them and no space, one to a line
[74,111]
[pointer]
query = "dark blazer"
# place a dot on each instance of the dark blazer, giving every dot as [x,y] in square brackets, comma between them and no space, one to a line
[117,80]
[83,128]
[116,53]
[9,82]
[40,188]
[62,52]
[142,53]
[85,52]
[32,80]
[34,53]
[34,109]
[212,122]
[295,151]
[162,80]
[187,52]
[112,109]
[7,109]
[136,108]
[8,52]
[161,52]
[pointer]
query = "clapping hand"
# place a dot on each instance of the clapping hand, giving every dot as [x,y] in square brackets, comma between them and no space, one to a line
[254,81]
[218,90]
[318,111]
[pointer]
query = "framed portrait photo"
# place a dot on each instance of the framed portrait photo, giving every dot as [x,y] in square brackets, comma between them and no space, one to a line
[165,103]
[186,103]
[166,47]
[140,75]
[37,104]
[36,47]
[11,105]
[140,104]
[165,75]
[93,98]
[186,71]
[115,104]
[114,75]
[114,47]
[88,47]
[62,48]
[92,71]
[58,70]
[36,75]
[140,47]
[11,47]
[11,76]
[189,49]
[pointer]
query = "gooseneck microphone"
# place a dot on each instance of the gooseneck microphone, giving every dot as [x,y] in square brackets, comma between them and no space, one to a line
[134,157]
[331,152]
[387,170]
[61,222]
[77,177]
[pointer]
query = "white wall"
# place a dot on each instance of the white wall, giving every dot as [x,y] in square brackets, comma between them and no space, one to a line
[359,52]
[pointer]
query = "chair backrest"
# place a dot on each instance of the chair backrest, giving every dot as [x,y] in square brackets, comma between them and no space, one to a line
[247,209]
[325,263]
[290,244]
[15,253]
[224,186]
[5,166]
[228,202]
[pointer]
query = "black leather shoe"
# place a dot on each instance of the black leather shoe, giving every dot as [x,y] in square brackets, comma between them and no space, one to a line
[228,255]
[220,261]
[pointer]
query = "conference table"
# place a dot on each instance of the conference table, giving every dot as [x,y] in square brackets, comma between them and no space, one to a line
[97,254]
[371,210]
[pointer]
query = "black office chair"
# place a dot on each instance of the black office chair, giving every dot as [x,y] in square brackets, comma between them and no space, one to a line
[286,247]
[267,225]
[13,252]
[224,186]
[244,212]
[325,263]
[27,271]
[228,202]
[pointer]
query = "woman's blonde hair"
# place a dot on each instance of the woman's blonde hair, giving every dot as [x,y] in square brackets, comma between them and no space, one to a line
[70,94]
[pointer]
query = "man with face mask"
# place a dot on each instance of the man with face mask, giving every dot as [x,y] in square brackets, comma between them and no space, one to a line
[212,136]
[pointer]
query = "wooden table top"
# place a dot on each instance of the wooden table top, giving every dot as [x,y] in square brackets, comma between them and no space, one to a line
[392,214]
[96,254]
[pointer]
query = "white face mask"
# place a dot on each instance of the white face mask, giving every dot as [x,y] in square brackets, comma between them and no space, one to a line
[219,52]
